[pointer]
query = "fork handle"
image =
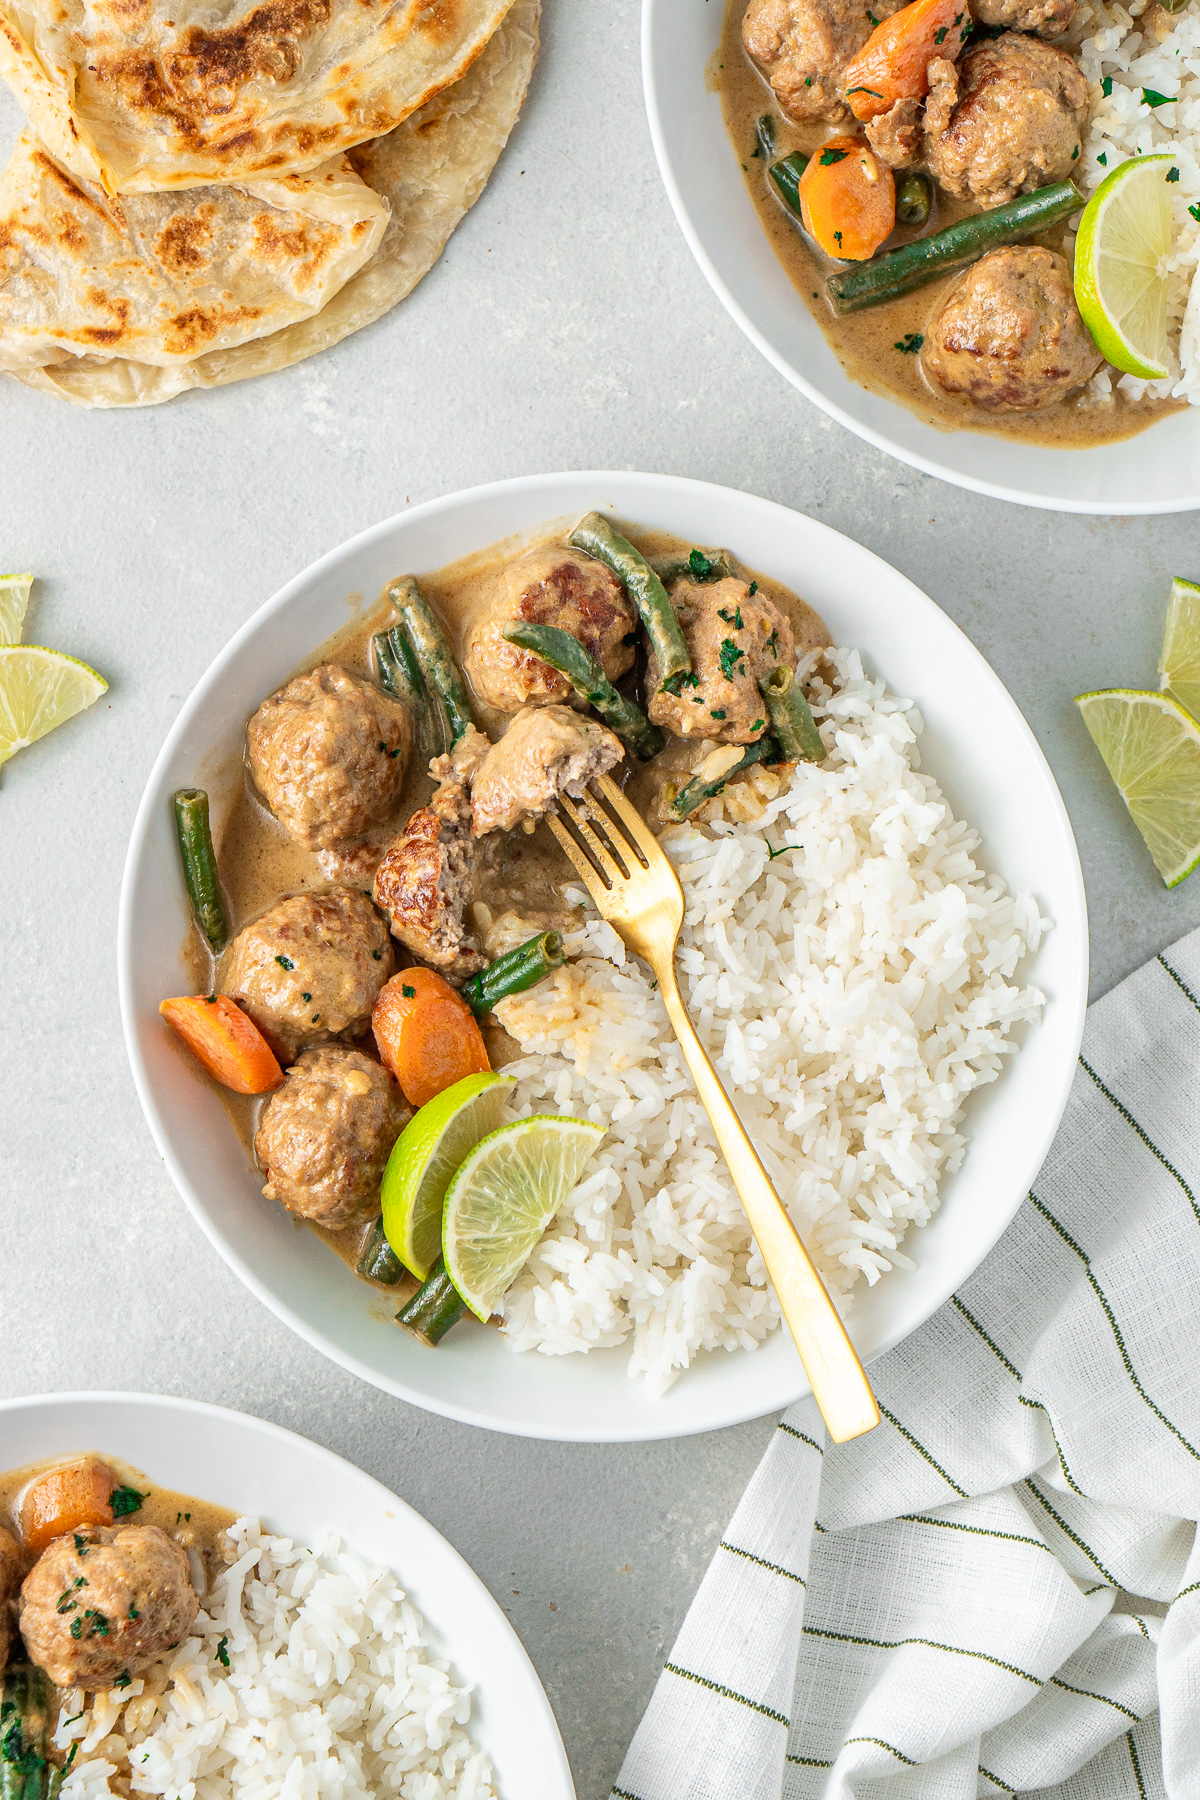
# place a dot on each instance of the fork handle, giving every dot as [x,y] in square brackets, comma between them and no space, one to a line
[839,1386]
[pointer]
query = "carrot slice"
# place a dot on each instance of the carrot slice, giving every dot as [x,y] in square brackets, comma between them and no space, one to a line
[63,1500]
[427,1034]
[230,1045]
[848,199]
[894,62]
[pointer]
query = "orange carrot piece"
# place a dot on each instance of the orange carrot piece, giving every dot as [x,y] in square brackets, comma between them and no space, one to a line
[64,1500]
[848,199]
[894,62]
[230,1045]
[427,1034]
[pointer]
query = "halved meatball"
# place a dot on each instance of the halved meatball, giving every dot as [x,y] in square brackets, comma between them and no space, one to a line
[1009,337]
[310,968]
[546,751]
[551,586]
[802,47]
[426,877]
[1005,120]
[329,753]
[327,1133]
[104,1600]
[735,638]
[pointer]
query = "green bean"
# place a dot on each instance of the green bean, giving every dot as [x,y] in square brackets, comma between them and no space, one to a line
[26,1720]
[791,720]
[515,971]
[566,654]
[900,271]
[596,536]
[379,1261]
[400,673]
[698,565]
[199,861]
[764,131]
[434,654]
[786,175]
[434,1308]
[914,197]
[698,791]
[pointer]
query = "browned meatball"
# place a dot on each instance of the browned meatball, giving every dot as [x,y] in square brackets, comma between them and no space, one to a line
[1009,336]
[328,754]
[426,877]
[1049,18]
[735,638]
[551,586]
[310,968]
[11,1565]
[105,1599]
[546,751]
[1005,120]
[327,1133]
[802,46]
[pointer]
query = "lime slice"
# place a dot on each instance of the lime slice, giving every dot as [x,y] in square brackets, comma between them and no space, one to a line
[14,598]
[1151,747]
[1179,662]
[425,1156]
[1123,237]
[503,1198]
[40,689]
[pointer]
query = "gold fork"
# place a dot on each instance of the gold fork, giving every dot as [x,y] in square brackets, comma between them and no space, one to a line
[637,891]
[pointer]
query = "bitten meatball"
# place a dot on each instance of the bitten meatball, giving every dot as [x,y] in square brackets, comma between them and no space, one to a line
[427,874]
[103,1600]
[735,638]
[309,969]
[1009,337]
[802,47]
[327,1133]
[555,587]
[546,751]
[1049,18]
[329,753]
[1006,119]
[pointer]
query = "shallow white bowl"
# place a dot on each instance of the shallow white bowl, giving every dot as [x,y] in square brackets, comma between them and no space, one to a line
[301,1491]
[1157,471]
[976,743]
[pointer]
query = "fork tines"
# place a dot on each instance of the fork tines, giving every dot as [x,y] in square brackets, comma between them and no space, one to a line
[603,836]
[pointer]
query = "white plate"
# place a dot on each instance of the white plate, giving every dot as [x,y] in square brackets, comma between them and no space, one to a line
[976,743]
[1157,471]
[300,1490]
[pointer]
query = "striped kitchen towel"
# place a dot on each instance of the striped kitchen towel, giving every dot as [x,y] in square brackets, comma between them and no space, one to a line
[940,1609]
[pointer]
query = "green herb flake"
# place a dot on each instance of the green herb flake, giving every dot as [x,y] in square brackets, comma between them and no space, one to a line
[1195,212]
[410,993]
[1075,153]
[731,618]
[909,344]
[838,237]
[699,564]
[675,684]
[752,589]
[315,1017]
[872,18]
[377,955]
[1102,159]
[65,1602]
[1152,97]
[773,645]
[81,1544]
[285,962]
[76,1628]
[99,1622]
[728,656]
[223,1652]
[808,78]
[939,36]
[126,1500]
[134,1613]
[828,157]
[871,91]
[74,1717]
[1171,175]
[123,1679]
[210,999]
[758,724]
[306,998]
[1106,86]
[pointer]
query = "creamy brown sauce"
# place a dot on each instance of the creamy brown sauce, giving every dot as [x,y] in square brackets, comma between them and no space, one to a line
[867,343]
[260,863]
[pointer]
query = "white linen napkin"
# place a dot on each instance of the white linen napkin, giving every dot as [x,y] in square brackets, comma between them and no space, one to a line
[928,1613]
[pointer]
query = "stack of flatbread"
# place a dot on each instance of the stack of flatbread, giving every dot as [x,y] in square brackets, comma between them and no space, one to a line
[210,189]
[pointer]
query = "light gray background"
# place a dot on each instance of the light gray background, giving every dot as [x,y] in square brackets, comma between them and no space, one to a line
[566,327]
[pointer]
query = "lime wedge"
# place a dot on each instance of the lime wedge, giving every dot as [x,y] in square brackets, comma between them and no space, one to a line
[425,1156]
[1124,235]
[14,598]
[1179,661]
[1151,747]
[504,1196]
[40,689]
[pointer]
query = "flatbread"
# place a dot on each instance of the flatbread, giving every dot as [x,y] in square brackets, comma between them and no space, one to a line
[165,277]
[431,169]
[138,95]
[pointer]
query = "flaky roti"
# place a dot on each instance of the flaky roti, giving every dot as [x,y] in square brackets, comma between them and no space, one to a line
[138,95]
[431,169]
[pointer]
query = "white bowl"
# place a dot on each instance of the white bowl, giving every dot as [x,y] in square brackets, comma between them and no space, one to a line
[301,1491]
[1157,471]
[976,743]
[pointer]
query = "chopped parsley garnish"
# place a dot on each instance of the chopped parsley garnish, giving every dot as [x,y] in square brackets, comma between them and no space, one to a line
[1195,212]
[73,1718]
[808,78]
[728,655]
[772,854]
[752,589]
[377,955]
[1152,97]
[223,1652]
[773,645]
[124,1500]
[837,237]
[306,998]
[285,962]
[828,157]
[134,1613]
[210,999]
[315,1017]
[699,564]
[909,344]
[81,1544]
[395,753]
[65,1602]
[1075,153]
[674,684]
[76,1628]
[123,1679]
[872,18]
[410,993]
[718,713]
[939,36]
[871,91]
[99,1623]
[758,724]
[1106,86]
[1171,175]
[731,618]
[1102,159]
[383,746]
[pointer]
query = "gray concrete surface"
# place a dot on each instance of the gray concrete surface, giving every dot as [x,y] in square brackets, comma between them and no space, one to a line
[566,326]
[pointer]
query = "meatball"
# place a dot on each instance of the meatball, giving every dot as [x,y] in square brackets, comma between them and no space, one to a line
[329,753]
[104,1600]
[556,587]
[1009,337]
[327,1133]
[11,1566]
[546,751]
[1005,120]
[1049,18]
[425,879]
[735,638]
[802,46]
[309,969]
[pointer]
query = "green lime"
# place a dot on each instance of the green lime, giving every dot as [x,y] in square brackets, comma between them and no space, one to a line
[1124,236]
[504,1196]
[1179,662]
[425,1156]
[40,689]
[14,598]
[1151,747]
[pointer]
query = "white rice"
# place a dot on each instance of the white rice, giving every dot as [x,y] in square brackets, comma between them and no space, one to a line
[852,990]
[330,1694]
